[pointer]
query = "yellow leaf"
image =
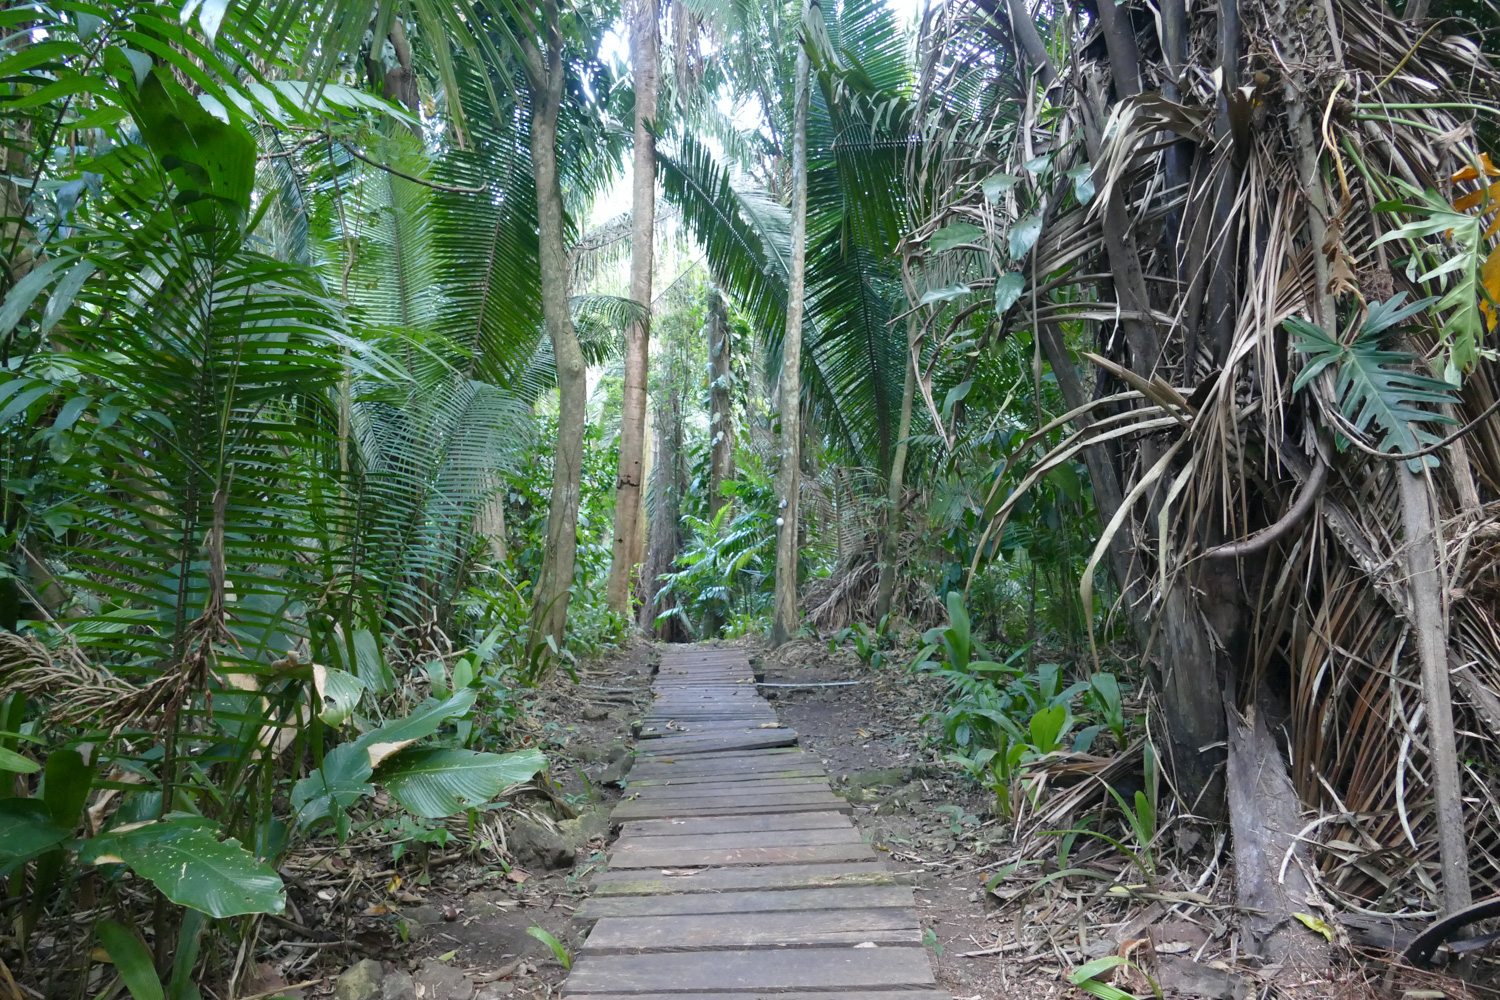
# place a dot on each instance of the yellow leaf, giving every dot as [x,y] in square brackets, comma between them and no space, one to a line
[1313,923]
[1489,280]
[1469,173]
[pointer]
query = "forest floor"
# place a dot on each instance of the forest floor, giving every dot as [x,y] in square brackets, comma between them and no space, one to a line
[460,929]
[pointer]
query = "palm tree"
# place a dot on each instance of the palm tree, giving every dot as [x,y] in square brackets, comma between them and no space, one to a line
[1258,358]
[644,59]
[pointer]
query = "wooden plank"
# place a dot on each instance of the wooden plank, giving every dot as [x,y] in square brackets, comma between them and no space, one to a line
[729,806]
[632,843]
[922,994]
[736,824]
[773,758]
[699,931]
[686,858]
[758,790]
[688,745]
[752,969]
[862,897]
[735,778]
[628,882]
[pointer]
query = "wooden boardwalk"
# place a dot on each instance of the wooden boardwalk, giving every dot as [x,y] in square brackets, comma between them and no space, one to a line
[737,872]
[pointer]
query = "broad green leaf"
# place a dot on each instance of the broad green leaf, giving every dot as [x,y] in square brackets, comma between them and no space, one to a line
[947,294]
[29,831]
[369,664]
[1047,726]
[955,396]
[997,185]
[1008,288]
[65,292]
[1092,969]
[131,960]
[953,235]
[440,781]
[1083,182]
[1023,236]
[66,788]
[209,161]
[338,693]
[342,780]
[183,858]
[16,763]
[1040,163]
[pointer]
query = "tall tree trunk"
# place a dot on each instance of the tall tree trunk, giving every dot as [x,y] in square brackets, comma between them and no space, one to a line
[625,549]
[668,481]
[788,479]
[885,589]
[720,403]
[549,611]
[396,80]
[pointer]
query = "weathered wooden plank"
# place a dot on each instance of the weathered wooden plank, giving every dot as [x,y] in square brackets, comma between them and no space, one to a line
[772,758]
[723,857]
[863,897]
[922,994]
[680,825]
[688,745]
[628,882]
[734,778]
[731,806]
[802,929]
[633,843]
[752,969]
[758,790]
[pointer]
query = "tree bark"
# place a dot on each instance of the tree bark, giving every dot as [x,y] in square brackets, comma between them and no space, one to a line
[720,403]
[1425,586]
[885,590]
[668,481]
[625,548]
[788,479]
[545,72]
[399,82]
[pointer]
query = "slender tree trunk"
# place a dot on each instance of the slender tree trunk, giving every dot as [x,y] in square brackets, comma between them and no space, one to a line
[625,549]
[668,480]
[397,82]
[549,612]
[885,590]
[720,403]
[788,480]
[1425,585]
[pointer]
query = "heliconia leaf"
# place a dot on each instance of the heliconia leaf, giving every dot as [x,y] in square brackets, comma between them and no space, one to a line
[16,763]
[440,781]
[29,831]
[130,959]
[184,859]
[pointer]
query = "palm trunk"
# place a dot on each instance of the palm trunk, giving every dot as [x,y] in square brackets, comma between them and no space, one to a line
[668,481]
[549,611]
[721,403]
[627,534]
[1425,588]
[885,590]
[788,480]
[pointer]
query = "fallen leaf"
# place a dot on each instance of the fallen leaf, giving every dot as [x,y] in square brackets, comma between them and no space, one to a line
[378,910]
[447,956]
[1313,923]
[867,944]
[517,876]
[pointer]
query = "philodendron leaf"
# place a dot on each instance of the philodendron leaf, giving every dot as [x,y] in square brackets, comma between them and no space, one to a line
[131,960]
[1023,236]
[1083,182]
[954,235]
[1008,288]
[997,185]
[29,831]
[183,858]
[440,781]
[943,294]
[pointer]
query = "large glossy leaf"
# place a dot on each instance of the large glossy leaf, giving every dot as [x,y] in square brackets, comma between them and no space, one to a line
[184,858]
[339,691]
[29,831]
[440,781]
[343,779]
[131,960]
